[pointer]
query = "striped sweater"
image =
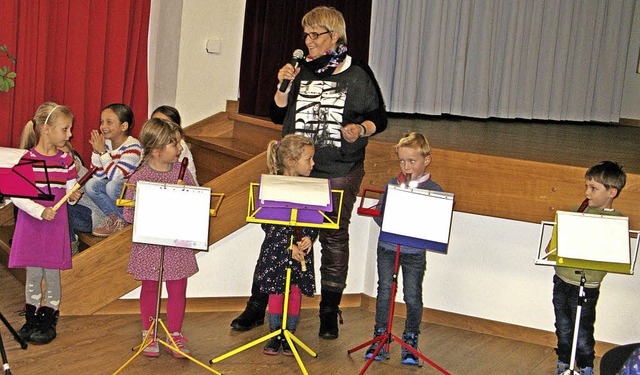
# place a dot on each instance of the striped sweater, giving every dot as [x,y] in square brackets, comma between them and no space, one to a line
[118,164]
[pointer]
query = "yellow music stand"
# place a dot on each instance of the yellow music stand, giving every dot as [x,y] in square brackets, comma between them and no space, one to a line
[146,341]
[292,220]
[579,240]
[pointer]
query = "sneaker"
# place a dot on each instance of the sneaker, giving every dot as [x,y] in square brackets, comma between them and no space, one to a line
[75,246]
[152,350]
[106,227]
[179,341]
[561,367]
[408,358]
[119,225]
[586,371]
[286,348]
[382,354]
[273,346]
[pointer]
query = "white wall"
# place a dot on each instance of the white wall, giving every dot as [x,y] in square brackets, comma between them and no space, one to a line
[164,49]
[488,272]
[206,81]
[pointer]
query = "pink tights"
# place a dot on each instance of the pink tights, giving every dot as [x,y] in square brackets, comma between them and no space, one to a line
[276,302]
[177,290]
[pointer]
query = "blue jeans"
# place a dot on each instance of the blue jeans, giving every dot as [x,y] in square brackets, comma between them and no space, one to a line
[79,220]
[565,302]
[104,193]
[413,269]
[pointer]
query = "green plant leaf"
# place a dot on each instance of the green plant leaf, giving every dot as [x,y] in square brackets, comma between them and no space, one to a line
[11,83]
[11,75]
[4,85]
[3,48]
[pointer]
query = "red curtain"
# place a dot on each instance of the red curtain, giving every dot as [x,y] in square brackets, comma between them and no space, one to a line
[83,54]
[272,31]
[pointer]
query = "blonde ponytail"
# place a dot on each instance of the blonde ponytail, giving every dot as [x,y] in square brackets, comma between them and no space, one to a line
[28,138]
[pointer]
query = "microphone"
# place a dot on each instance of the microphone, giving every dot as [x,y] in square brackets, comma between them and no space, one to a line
[295,61]
[183,168]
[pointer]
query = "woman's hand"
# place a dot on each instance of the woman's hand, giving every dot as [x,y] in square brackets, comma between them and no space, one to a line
[97,142]
[286,72]
[351,132]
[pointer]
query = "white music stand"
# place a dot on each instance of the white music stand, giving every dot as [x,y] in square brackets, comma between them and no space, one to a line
[587,241]
[430,231]
[160,212]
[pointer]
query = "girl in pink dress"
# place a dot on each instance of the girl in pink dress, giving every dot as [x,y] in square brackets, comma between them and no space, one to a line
[41,242]
[161,150]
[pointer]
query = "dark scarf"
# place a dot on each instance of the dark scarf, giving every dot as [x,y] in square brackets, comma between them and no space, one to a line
[326,64]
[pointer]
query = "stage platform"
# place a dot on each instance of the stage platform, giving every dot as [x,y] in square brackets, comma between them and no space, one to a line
[565,143]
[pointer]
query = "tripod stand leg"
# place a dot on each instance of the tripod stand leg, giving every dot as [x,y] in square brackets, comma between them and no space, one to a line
[576,327]
[416,352]
[301,344]
[245,347]
[17,337]
[385,339]
[5,362]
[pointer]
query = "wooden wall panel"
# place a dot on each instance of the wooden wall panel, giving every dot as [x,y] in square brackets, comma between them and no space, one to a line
[502,187]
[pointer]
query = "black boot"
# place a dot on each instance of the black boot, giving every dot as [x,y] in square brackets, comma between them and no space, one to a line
[329,312]
[47,321]
[253,314]
[31,325]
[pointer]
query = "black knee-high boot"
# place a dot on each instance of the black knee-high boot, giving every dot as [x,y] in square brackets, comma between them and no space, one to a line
[329,313]
[253,314]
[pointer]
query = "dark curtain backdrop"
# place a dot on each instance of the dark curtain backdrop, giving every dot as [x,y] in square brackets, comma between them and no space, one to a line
[83,54]
[272,31]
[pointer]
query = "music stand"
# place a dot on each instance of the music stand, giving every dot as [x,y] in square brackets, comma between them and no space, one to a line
[587,241]
[159,223]
[402,229]
[290,201]
[17,180]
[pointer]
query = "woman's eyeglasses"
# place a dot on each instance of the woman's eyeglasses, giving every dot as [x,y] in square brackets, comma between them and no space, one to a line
[313,35]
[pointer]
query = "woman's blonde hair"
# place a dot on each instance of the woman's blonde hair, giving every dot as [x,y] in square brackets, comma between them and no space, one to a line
[328,18]
[415,140]
[48,112]
[290,148]
[156,133]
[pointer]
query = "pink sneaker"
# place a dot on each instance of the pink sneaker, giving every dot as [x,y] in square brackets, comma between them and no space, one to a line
[180,344]
[152,350]
[106,227]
